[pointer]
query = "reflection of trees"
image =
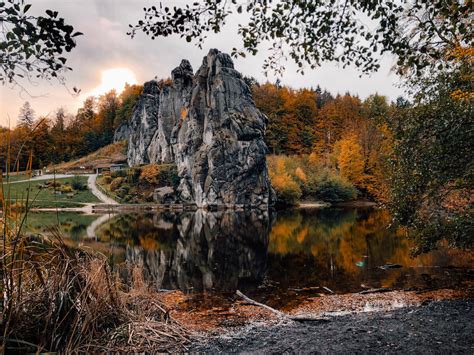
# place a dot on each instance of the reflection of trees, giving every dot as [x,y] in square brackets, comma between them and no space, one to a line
[338,248]
[343,248]
[212,250]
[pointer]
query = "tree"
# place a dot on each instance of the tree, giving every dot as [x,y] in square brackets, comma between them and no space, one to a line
[108,105]
[128,99]
[32,46]
[58,136]
[26,117]
[433,166]
[312,32]
[350,160]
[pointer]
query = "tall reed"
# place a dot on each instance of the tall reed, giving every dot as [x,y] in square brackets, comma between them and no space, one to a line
[56,298]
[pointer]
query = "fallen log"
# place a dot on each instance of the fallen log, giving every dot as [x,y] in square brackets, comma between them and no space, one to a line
[280,313]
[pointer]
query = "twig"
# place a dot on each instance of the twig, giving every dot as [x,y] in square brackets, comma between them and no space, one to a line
[328,289]
[277,312]
[375,290]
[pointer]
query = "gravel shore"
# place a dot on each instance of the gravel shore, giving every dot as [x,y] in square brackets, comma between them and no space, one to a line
[435,328]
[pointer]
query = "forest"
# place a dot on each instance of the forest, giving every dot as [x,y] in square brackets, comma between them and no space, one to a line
[335,222]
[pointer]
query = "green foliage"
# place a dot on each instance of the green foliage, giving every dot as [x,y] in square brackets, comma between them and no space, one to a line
[32,46]
[311,32]
[433,170]
[78,184]
[301,177]
[333,188]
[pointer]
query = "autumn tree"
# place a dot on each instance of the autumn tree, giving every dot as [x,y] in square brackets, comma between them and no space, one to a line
[269,99]
[350,161]
[128,98]
[26,118]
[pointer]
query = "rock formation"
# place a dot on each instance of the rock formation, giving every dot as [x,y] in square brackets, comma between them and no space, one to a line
[210,251]
[207,124]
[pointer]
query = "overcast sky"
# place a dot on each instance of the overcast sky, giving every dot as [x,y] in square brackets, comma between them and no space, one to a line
[105,46]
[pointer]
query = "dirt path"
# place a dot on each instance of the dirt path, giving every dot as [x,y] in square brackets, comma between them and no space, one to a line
[437,328]
[91,183]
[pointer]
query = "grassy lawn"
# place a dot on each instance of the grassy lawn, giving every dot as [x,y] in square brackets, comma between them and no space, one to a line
[45,197]
[13,178]
[71,224]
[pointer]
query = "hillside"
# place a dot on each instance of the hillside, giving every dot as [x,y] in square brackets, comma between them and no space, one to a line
[110,154]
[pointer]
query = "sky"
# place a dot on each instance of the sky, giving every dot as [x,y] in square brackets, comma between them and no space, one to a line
[105,57]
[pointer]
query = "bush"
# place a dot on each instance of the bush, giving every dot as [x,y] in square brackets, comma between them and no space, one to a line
[107,179]
[299,176]
[134,175]
[119,173]
[149,174]
[160,175]
[288,191]
[77,184]
[333,188]
[116,183]
[65,188]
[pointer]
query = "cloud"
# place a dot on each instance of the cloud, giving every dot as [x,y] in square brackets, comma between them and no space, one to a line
[105,45]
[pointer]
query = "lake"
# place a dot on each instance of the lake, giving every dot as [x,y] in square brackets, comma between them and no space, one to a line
[273,257]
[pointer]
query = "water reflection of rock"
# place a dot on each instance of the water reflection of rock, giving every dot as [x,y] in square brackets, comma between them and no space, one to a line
[219,251]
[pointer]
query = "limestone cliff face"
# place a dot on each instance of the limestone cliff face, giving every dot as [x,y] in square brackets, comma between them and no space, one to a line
[208,125]
[143,124]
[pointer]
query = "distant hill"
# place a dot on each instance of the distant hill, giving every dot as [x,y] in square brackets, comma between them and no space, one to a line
[111,154]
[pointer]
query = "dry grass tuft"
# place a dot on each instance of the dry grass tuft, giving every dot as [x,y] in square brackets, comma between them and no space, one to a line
[64,299]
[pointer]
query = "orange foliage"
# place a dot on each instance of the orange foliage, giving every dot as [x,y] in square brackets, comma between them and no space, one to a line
[149,173]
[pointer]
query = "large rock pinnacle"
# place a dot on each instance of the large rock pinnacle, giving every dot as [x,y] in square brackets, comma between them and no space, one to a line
[208,125]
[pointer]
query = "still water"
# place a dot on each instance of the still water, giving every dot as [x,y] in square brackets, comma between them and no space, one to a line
[268,256]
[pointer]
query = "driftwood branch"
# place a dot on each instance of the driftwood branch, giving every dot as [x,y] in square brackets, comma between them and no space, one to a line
[279,313]
[375,290]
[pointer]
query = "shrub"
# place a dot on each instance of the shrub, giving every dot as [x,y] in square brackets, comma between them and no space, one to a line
[119,173]
[134,175]
[149,174]
[107,179]
[288,191]
[77,184]
[65,188]
[160,175]
[333,188]
[116,183]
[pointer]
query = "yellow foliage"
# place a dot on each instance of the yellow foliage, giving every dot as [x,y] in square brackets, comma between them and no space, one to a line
[184,112]
[149,173]
[350,160]
[300,174]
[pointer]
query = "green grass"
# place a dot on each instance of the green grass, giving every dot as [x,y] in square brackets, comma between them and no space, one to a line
[45,198]
[73,225]
[13,178]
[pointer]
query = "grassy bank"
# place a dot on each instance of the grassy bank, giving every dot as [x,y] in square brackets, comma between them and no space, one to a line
[67,192]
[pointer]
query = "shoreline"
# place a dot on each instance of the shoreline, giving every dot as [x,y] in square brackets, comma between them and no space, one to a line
[443,326]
